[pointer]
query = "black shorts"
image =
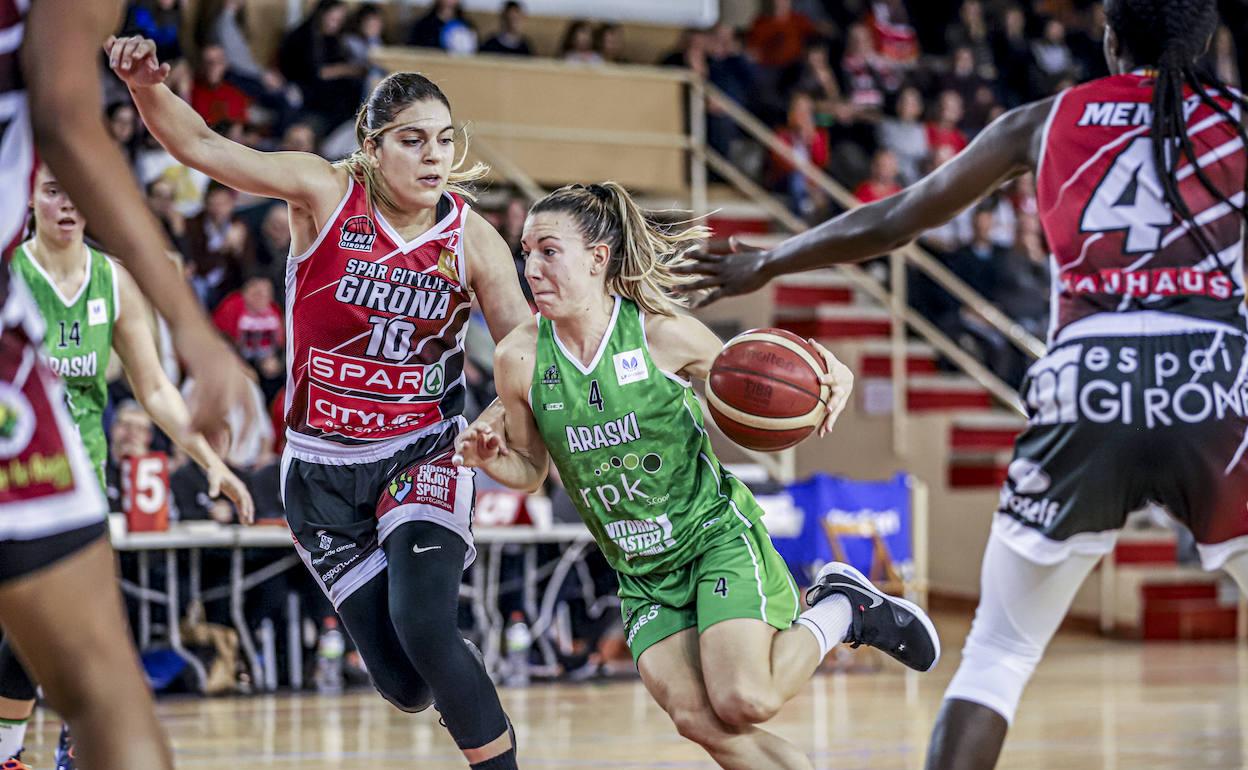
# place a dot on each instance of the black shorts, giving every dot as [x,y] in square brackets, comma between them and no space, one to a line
[1115,423]
[341,514]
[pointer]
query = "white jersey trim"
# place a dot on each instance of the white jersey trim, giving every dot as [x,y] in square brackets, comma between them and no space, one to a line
[1048,125]
[295,259]
[319,451]
[1036,548]
[406,247]
[602,345]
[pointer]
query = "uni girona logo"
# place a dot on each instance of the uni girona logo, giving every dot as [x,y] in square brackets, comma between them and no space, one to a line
[358,234]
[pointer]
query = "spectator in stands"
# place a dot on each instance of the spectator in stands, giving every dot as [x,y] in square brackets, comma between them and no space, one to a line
[212,97]
[578,43]
[730,71]
[609,43]
[943,130]
[1052,57]
[884,180]
[971,31]
[778,37]
[363,37]
[298,137]
[976,90]
[130,435]
[1086,41]
[905,135]
[160,203]
[123,127]
[864,71]
[160,20]
[314,57]
[227,27]
[253,322]
[219,248]
[445,26]
[510,38]
[819,80]
[895,38]
[809,142]
[1025,297]
[1012,54]
[272,239]
[691,52]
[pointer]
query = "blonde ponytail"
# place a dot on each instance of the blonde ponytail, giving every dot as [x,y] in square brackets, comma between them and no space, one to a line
[643,248]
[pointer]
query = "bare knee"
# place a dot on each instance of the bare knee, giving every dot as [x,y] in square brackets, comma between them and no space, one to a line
[741,705]
[697,723]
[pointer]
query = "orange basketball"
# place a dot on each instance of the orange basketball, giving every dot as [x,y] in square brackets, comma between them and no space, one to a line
[764,390]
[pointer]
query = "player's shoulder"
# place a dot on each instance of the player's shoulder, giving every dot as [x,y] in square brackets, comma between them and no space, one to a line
[663,328]
[519,345]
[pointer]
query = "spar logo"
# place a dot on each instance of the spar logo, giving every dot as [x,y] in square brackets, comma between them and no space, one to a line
[358,234]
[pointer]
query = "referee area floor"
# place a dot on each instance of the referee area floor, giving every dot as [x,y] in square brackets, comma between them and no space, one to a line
[1094,703]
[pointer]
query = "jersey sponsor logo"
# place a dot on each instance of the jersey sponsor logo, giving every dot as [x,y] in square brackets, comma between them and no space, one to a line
[396,274]
[554,406]
[424,484]
[361,374]
[618,432]
[1024,482]
[641,537]
[1176,392]
[85,365]
[17,421]
[630,366]
[448,262]
[393,298]
[1122,114]
[327,547]
[1159,282]
[639,620]
[366,419]
[551,378]
[358,233]
[97,312]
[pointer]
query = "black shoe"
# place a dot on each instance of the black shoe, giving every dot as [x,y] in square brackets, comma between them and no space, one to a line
[899,628]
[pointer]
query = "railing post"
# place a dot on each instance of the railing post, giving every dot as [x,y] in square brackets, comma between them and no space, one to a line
[697,146]
[899,359]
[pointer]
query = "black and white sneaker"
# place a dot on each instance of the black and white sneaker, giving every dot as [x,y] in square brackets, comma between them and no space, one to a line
[899,628]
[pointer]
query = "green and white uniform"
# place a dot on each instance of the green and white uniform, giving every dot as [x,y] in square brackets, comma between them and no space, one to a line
[684,534]
[78,341]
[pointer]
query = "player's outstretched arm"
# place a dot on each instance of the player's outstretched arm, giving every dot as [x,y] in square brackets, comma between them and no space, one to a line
[516,456]
[133,340]
[493,279]
[301,179]
[1007,148]
[59,63]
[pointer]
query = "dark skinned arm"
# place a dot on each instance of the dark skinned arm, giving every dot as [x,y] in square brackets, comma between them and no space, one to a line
[1008,147]
[62,42]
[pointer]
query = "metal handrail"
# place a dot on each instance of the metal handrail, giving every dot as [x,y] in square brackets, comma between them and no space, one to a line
[1015,333]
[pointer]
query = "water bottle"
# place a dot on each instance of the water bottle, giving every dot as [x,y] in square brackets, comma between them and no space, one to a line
[329,651]
[518,640]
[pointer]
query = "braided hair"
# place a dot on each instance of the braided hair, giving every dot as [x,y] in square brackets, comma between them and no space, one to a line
[1171,35]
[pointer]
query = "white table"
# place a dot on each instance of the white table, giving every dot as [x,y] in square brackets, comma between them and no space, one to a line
[482,591]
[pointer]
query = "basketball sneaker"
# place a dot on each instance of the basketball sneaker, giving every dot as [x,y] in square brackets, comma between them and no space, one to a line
[896,627]
[14,763]
[65,751]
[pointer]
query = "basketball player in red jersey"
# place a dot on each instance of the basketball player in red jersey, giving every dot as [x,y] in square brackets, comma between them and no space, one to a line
[1143,395]
[59,601]
[386,257]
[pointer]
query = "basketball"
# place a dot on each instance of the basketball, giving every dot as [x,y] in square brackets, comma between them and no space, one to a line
[764,390]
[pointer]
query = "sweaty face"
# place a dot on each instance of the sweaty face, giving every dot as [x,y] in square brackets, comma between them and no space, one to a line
[56,217]
[416,153]
[559,265]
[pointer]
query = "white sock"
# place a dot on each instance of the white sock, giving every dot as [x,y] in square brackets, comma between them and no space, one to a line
[12,737]
[828,621]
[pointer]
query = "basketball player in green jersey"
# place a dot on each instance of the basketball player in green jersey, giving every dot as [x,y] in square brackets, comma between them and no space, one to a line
[90,305]
[599,383]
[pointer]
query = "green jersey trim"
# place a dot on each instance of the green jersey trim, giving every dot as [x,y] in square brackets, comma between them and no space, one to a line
[602,346]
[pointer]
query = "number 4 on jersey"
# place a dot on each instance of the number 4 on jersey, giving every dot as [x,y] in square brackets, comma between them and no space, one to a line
[595,395]
[1129,197]
[721,588]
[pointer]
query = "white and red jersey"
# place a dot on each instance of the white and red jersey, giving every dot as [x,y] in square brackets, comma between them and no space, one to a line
[375,329]
[1123,262]
[17,146]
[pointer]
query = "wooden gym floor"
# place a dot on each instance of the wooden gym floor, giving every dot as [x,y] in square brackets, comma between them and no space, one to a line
[1094,703]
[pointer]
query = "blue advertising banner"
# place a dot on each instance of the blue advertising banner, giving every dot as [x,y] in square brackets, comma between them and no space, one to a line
[863,506]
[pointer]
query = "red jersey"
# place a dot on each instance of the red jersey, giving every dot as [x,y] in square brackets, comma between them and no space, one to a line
[256,336]
[1117,246]
[375,329]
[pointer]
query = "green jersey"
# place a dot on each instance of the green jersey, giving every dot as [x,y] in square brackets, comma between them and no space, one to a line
[78,340]
[630,443]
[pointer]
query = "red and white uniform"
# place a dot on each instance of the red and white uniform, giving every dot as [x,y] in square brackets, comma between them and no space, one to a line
[46,483]
[1122,261]
[375,329]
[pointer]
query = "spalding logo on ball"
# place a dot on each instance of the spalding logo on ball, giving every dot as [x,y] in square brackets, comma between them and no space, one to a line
[764,390]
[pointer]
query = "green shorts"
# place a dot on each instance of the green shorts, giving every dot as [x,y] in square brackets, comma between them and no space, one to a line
[741,577]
